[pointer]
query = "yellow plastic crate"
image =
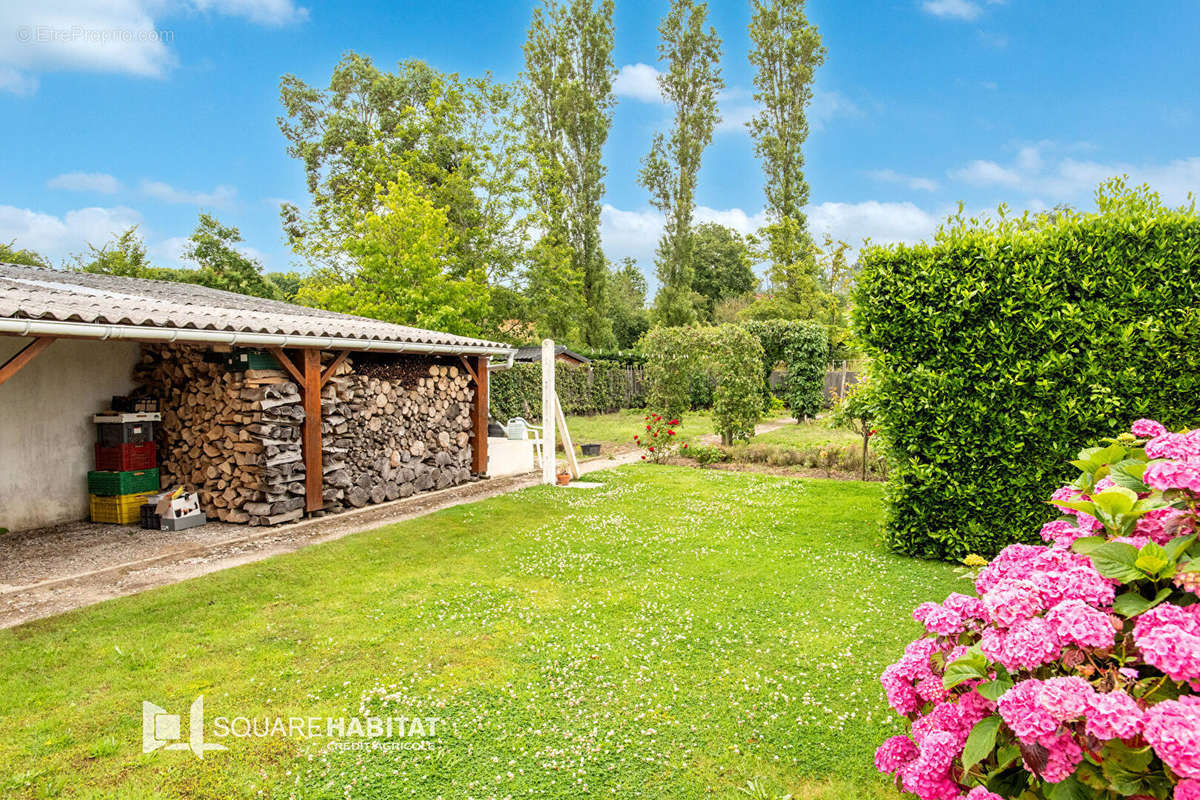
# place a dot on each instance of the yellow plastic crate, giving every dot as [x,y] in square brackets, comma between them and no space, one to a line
[122,509]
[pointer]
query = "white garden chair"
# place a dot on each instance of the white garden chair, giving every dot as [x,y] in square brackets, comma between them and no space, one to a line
[519,430]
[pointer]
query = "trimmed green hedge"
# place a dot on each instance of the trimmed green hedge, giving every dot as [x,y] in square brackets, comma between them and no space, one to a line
[803,345]
[727,356]
[609,386]
[1002,349]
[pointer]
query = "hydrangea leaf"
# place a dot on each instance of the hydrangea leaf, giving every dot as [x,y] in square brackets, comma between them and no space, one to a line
[1130,604]
[1116,560]
[981,741]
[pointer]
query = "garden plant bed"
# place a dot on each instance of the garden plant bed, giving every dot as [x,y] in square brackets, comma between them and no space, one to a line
[568,640]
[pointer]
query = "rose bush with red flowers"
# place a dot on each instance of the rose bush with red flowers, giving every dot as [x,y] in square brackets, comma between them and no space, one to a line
[1074,671]
[658,440]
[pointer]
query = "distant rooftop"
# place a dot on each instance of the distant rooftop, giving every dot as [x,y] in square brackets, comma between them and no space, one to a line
[534,353]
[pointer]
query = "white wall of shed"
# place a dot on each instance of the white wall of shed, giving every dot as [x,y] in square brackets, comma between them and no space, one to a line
[46,430]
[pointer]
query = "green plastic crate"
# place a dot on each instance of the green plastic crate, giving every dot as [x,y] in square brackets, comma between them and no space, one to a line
[242,360]
[111,484]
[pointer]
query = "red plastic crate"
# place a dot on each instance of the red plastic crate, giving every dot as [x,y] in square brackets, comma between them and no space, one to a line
[122,457]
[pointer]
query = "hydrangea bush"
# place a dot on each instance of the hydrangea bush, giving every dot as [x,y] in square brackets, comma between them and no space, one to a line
[1073,672]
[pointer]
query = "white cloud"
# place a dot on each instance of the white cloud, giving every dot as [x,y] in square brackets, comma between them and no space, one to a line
[636,233]
[882,223]
[17,82]
[734,119]
[261,12]
[220,196]
[1072,180]
[952,9]
[984,173]
[58,237]
[638,82]
[111,36]
[85,182]
[168,252]
[913,182]
[826,106]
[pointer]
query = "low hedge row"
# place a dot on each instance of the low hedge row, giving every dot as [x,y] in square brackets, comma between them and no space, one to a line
[604,386]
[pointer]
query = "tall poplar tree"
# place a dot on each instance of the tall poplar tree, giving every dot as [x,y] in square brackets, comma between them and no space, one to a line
[567,111]
[690,84]
[786,51]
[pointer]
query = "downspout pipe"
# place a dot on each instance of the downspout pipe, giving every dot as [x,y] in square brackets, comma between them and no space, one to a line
[142,333]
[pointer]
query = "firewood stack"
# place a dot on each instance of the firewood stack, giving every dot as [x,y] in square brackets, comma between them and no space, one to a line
[389,434]
[235,437]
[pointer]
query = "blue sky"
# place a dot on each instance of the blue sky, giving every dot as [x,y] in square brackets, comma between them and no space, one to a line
[149,111]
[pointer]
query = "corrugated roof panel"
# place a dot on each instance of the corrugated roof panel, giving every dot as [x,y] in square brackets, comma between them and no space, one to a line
[47,294]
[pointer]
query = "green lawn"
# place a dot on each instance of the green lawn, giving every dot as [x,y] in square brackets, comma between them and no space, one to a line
[810,434]
[672,634]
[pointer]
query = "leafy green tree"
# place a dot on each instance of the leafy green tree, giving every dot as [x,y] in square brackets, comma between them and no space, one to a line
[397,268]
[722,266]
[786,51]
[837,278]
[455,137]
[125,255]
[627,303]
[288,283]
[213,247]
[566,106]
[11,254]
[669,171]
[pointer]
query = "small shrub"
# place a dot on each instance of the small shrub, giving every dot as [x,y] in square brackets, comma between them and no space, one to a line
[856,411]
[1075,671]
[658,441]
[708,454]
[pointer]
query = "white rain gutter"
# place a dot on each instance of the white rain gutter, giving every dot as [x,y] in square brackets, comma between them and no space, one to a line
[143,333]
[497,366]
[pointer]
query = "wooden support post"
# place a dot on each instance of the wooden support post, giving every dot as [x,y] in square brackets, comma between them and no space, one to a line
[314,476]
[332,369]
[549,457]
[568,445]
[479,416]
[26,354]
[466,362]
[282,358]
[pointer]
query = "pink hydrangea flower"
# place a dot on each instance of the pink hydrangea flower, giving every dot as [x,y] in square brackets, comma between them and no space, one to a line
[1062,757]
[900,678]
[1114,715]
[1173,730]
[1066,698]
[981,793]
[1163,524]
[1187,789]
[1179,446]
[1012,601]
[1077,623]
[1163,475]
[928,775]
[1024,716]
[1169,638]
[894,754]
[1062,533]
[1147,429]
